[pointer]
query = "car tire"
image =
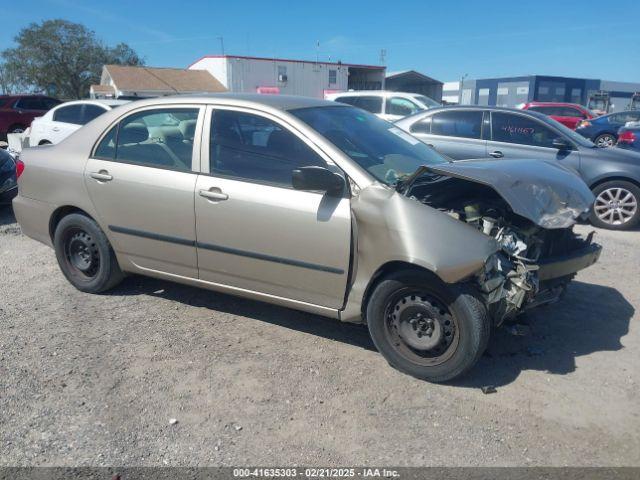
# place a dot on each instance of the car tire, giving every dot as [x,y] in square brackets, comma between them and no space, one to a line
[457,323]
[85,255]
[605,140]
[617,205]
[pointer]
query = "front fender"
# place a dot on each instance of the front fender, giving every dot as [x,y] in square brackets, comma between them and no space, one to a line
[391,227]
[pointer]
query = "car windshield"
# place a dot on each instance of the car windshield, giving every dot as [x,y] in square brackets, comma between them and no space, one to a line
[429,102]
[383,150]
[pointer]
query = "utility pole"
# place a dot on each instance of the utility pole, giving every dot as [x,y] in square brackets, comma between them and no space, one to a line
[383,56]
[221,44]
[461,86]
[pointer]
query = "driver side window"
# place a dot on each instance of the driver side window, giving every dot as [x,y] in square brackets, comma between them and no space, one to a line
[255,148]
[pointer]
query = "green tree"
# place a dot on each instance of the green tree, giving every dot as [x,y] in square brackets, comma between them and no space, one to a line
[63,57]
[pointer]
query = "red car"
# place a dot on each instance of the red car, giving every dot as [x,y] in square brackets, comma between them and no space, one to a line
[568,114]
[18,111]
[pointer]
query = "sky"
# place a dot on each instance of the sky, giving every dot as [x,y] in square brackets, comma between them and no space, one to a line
[442,39]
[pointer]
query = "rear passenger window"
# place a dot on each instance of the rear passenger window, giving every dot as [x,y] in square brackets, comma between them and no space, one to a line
[254,148]
[158,138]
[457,123]
[370,104]
[91,112]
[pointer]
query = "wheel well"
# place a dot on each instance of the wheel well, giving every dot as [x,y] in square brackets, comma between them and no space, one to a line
[59,214]
[613,179]
[44,142]
[11,127]
[387,269]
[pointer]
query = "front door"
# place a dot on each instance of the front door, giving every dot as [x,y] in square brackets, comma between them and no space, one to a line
[516,135]
[141,180]
[254,231]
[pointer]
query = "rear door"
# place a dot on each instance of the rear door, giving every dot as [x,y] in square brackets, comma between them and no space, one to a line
[515,135]
[455,133]
[65,121]
[142,188]
[254,231]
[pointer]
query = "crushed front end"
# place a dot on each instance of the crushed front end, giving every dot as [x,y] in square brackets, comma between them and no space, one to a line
[531,220]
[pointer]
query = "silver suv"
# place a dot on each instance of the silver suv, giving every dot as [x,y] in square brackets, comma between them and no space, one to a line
[313,205]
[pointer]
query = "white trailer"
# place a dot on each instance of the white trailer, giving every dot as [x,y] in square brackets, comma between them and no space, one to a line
[290,77]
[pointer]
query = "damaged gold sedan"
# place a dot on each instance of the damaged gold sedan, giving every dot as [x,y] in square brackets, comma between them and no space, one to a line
[315,206]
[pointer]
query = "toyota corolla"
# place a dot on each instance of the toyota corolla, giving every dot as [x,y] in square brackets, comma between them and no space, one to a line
[315,206]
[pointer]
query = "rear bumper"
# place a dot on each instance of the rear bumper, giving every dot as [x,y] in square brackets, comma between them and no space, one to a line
[564,265]
[8,195]
[34,217]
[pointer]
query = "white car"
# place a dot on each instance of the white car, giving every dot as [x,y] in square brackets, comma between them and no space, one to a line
[385,104]
[61,121]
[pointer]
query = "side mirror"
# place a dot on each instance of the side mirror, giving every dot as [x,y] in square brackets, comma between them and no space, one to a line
[317,178]
[561,144]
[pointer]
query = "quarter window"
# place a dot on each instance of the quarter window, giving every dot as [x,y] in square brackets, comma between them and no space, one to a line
[401,106]
[71,114]
[254,148]
[153,138]
[521,130]
[457,123]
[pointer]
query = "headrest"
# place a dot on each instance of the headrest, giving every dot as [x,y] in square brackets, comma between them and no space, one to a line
[133,133]
[188,128]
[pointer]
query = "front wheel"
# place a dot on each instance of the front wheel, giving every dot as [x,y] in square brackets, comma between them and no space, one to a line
[85,255]
[426,328]
[616,206]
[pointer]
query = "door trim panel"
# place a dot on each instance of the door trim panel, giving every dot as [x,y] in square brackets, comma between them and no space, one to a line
[223,249]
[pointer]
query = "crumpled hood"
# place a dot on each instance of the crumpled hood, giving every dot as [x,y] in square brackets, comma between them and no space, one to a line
[548,194]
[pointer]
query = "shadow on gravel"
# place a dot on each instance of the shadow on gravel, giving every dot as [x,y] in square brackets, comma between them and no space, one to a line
[6,215]
[590,318]
[351,334]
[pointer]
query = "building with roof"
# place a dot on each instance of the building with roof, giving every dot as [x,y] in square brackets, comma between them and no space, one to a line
[126,82]
[412,81]
[512,91]
[292,77]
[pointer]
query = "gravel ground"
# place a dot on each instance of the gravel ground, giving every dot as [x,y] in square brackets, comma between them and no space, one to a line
[97,379]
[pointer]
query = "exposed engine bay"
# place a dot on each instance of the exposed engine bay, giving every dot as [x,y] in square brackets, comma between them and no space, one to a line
[533,265]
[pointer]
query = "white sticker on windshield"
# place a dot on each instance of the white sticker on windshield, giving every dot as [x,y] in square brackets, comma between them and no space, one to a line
[404,135]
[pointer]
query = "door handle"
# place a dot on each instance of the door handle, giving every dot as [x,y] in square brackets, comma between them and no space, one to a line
[496,154]
[56,129]
[101,176]
[213,194]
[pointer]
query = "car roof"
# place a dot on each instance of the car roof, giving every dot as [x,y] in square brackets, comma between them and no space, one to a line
[97,101]
[279,102]
[432,111]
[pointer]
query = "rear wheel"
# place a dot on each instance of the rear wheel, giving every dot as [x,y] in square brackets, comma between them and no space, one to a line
[616,206]
[605,140]
[426,328]
[85,255]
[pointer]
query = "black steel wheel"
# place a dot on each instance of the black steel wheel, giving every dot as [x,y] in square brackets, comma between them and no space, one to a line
[425,327]
[85,255]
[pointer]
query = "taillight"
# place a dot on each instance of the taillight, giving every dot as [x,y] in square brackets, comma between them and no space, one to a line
[19,168]
[627,137]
